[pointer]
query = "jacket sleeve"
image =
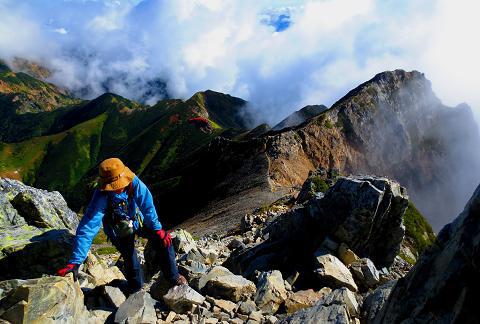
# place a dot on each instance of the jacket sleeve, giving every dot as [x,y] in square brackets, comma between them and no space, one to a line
[144,200]
[88,227]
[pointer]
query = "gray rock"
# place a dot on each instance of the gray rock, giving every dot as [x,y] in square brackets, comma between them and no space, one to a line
[442,286]
[193,271]
[35,226]
[236,243]
[256,316]
[246,307]
[304,299]
[343,296]
[48,299]
[9,216]
[138,308]
[319,313]
[24,251]
[231,287]
[182,298]
[183,241]
[365,273]
[39,208]
[114,295]
[213,273]
[270,319]
[346,255]
[375,300]
[271,292]
[332,272]
[337,307]
[98,272]
[225,305]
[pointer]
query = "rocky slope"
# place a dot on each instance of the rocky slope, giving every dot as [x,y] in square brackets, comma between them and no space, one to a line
[392,125]
[327,281]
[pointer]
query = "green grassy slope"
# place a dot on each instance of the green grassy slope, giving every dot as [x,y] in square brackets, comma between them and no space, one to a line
[59,147]
[27,94]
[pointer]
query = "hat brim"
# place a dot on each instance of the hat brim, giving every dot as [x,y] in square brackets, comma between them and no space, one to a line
[121,182]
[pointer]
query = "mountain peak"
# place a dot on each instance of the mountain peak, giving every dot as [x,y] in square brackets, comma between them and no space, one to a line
[388,82]
[224,109]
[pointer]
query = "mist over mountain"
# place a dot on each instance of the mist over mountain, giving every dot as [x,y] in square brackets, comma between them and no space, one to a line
[392,125]
[278,55]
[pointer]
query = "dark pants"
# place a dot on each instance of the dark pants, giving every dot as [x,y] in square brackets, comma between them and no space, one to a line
[133,269]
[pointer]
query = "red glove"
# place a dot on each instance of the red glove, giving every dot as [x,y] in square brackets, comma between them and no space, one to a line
[73,268]
[165,238]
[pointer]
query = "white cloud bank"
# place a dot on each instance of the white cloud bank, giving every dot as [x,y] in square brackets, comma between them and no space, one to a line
[330,46]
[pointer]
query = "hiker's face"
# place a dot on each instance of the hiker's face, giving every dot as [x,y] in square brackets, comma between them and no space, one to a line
[119,190]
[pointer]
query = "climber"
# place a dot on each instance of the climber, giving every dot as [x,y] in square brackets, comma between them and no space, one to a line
[202,123]
[124,205]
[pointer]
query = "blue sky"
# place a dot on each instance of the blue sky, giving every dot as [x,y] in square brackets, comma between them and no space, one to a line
[280,55]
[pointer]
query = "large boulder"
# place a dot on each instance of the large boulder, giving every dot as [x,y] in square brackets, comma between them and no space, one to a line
[442,287]
[44,300]
[39,208]
[28,252]
[271,292]
[365,213]
[35,231]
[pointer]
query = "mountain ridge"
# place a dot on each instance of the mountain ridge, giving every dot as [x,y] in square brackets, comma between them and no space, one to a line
[392,125]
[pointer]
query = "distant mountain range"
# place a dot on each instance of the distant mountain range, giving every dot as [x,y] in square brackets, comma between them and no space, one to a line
[392,125]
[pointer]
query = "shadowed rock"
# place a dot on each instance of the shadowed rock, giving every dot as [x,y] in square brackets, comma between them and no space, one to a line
[44,300]
[365,213]
[443,285]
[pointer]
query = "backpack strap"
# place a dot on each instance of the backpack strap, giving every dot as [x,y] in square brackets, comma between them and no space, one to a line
[130,191]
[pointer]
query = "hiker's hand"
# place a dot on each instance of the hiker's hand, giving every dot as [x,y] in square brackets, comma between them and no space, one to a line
[165,238]
[73,268]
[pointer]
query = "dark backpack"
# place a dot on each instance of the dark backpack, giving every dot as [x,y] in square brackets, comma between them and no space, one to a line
[117,217]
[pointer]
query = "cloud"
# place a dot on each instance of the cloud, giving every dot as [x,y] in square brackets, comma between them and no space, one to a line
[61,30]
[280,55]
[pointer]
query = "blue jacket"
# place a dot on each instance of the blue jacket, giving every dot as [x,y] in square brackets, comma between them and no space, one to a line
[92,219]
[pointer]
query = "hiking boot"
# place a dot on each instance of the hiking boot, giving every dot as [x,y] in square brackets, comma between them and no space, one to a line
[181,281]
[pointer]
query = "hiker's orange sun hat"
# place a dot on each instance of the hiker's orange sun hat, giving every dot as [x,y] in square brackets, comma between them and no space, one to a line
[114,175]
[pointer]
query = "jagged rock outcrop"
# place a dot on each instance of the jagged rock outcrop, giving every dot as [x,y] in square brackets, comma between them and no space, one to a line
[35,227]
[43,300]
[443,285]
[38,208]
[363,212]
